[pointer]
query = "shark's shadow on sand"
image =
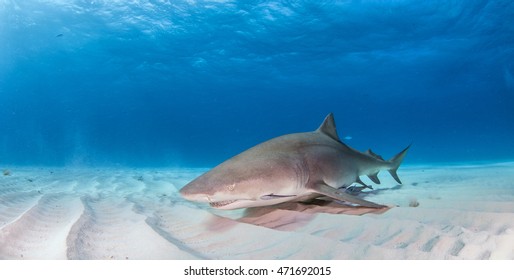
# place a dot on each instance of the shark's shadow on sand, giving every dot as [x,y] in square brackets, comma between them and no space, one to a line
[292,215]
[289,216]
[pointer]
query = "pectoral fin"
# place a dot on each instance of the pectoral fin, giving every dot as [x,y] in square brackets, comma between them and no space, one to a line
[340,195]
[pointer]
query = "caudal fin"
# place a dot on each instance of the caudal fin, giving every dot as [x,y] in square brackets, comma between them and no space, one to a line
[396,161]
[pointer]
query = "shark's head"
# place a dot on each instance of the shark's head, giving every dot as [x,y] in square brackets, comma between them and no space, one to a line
[232,185]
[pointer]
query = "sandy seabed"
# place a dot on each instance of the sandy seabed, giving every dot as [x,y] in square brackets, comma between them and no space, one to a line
[441,212]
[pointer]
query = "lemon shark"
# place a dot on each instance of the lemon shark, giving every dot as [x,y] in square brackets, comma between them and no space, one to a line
[292,167]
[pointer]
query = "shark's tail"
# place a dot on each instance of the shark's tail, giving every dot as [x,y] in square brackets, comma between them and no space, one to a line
[396,161]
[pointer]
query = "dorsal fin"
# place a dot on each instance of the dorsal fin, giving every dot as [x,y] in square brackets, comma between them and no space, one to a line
[328,127]
[371,153]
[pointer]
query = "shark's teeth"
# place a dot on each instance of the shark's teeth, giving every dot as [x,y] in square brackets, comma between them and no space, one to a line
[219,204]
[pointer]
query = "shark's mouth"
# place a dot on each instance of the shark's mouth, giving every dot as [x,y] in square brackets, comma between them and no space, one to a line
[219,204]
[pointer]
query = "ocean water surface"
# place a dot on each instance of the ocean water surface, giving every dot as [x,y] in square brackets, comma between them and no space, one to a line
[193,82]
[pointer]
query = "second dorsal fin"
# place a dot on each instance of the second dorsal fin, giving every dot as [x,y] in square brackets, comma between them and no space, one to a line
[371,153]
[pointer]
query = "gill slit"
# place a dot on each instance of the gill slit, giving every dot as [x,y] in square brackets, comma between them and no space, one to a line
[302,174]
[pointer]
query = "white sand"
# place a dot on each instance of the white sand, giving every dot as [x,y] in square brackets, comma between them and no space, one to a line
[464,212]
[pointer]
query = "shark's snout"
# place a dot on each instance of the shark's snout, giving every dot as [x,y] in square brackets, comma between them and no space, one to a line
[184,193]
[190,192]
[208,188]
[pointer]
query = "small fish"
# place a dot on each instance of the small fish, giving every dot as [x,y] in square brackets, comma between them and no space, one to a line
[59,35]
[355,190]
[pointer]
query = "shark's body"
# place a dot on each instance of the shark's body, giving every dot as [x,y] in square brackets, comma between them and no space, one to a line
[293,167]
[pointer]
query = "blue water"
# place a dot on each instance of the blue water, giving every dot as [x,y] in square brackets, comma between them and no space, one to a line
[191,83]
